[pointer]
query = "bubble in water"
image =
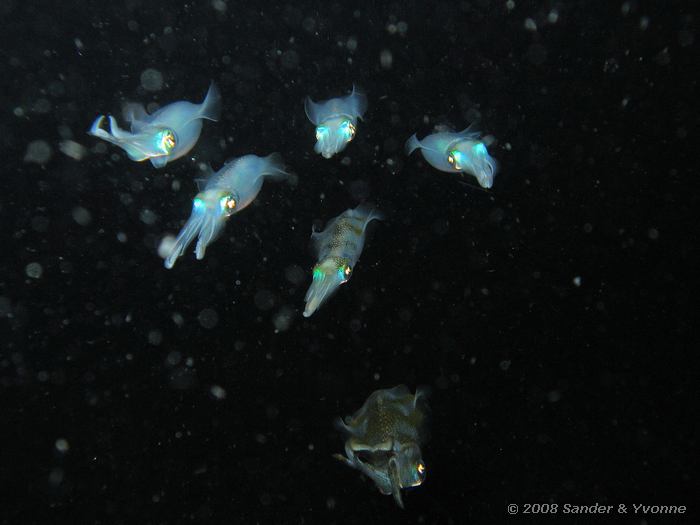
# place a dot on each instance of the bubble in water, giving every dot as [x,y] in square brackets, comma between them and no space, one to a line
[152,80]
[208,318]
[38,151]
[34,270]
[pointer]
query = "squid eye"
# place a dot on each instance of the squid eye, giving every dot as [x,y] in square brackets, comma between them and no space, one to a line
[348,130]
[344,272]
[228,204]
[420,468]
[166,141]
[454,159]
[321,132]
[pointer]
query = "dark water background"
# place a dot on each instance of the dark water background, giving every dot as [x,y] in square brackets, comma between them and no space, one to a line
[543,390]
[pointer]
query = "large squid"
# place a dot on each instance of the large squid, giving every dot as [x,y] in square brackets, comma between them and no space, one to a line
[456,152]
[163,136]
[339,247]
[225,193]
[335,121]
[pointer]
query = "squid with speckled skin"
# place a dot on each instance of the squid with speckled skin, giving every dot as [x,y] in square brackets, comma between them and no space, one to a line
[335,121]
[383,439]
[163,136]
[225,193]
[339,247]
[456,152]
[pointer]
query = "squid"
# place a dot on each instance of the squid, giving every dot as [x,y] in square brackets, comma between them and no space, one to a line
[456,152]
[166,135]
[225,193]
[383,439]
[335,121]
[339,247]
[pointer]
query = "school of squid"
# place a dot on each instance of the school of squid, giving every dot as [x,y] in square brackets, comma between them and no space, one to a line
[383,438]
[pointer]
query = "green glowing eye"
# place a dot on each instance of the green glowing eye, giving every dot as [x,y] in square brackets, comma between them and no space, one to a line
[166,141]
[455,159]
[348,130]
[318,274]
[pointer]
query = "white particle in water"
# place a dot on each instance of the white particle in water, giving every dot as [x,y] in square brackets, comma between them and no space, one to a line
[208,318]
[530,24]
[38,151]
[62,445]
[81,216]
[152,80]
[166,246]
[386,59]
[34,270]
[72,149]
[577,281]
[218,392]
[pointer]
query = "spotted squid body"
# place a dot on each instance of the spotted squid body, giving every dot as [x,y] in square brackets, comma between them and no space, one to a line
[225,193]
[383,439]
[163,136]
[456,152]
[339,247]
[335,121]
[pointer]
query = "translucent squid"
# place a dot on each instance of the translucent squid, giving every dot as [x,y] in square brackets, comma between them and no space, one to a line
[335,121]
[339,247]
[163,136]
[383,439]
[457,152]
[225,193]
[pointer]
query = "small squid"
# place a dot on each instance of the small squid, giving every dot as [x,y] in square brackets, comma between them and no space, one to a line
[163,136]
[457,152]
[383,439]
[335,121]
[225,193]
[339,247]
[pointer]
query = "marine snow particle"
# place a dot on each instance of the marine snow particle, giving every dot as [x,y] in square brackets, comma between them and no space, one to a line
[155,337]
[283,319]
[152,80]
[208,318]
[38,151]
[351,44]
[218,392]
[166,246]
[81,216]
[386,59]
[72,149]
[653,234]
[34,270]
[577,281]
[290,59]
[62,445]
[148,217]
[530,24]
[219,5]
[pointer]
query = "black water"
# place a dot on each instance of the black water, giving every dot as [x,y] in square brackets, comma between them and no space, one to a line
[551,316]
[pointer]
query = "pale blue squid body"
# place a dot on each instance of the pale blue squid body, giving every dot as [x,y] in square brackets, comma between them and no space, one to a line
[456,152]
[383,439]
[163,136]
[339,247]
[335,121]
[225,193]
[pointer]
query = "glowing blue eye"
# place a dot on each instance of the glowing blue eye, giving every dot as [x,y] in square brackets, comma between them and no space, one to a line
[348,130]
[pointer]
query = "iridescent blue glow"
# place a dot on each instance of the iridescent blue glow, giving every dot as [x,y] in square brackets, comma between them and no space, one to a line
[198,203]
[321,132]
[348,130]
[480,149]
